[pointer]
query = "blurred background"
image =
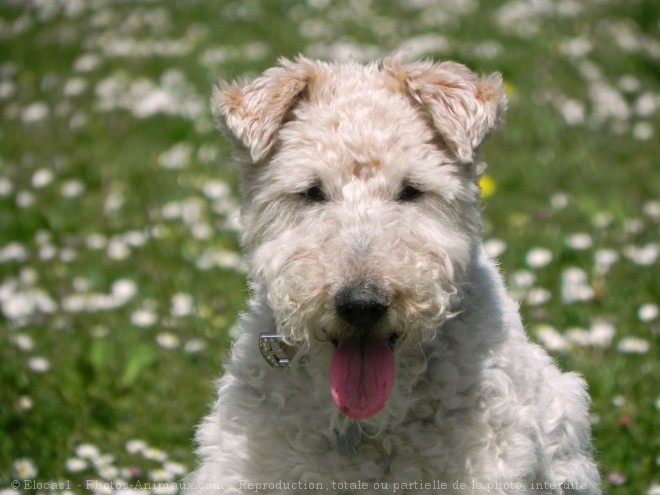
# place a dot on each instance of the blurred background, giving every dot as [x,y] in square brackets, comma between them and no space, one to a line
[120,271]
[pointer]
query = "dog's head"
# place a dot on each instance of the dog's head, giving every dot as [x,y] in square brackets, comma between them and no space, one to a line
[361,211]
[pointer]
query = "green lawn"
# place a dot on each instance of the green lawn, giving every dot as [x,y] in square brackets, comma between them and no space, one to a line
[120,274]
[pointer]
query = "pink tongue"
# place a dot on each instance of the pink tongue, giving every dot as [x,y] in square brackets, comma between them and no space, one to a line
[362,376]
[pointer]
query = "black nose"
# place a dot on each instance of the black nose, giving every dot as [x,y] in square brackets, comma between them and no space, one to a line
[361,305]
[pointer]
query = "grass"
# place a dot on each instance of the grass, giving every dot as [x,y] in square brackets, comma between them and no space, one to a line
[116,262]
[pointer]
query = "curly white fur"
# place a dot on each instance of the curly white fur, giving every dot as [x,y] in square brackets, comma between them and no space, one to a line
[476,408]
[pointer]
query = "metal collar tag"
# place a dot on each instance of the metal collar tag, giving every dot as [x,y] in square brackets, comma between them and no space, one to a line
[275,351]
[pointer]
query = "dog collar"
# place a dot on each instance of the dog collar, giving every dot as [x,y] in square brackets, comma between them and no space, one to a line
[275,351]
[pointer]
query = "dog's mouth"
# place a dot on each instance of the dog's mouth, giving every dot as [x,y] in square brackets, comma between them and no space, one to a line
[362,374]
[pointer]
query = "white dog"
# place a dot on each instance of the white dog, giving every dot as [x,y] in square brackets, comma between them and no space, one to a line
[380,352]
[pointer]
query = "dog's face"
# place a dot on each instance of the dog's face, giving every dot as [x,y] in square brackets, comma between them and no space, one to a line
[361,205]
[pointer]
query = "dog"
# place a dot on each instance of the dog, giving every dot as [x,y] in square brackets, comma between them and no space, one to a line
[380,352]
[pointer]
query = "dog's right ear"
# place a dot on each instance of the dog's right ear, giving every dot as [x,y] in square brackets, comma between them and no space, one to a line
[254,112]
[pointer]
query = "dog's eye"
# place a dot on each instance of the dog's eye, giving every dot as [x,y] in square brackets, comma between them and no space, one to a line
[314,194]
[409,193]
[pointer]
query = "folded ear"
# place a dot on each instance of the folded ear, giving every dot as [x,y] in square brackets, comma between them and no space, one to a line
[462,106]
[254,112]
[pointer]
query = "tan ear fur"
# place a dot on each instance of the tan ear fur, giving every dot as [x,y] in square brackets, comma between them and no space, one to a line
[254,112]
[463,107]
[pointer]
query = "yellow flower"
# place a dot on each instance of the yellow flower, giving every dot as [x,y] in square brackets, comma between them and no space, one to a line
[487,185]
[510,89]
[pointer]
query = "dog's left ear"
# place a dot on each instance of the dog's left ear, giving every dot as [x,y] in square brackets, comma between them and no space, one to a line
[462,106]
[254,112]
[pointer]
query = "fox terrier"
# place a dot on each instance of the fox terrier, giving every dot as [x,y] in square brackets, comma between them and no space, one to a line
[380,352]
